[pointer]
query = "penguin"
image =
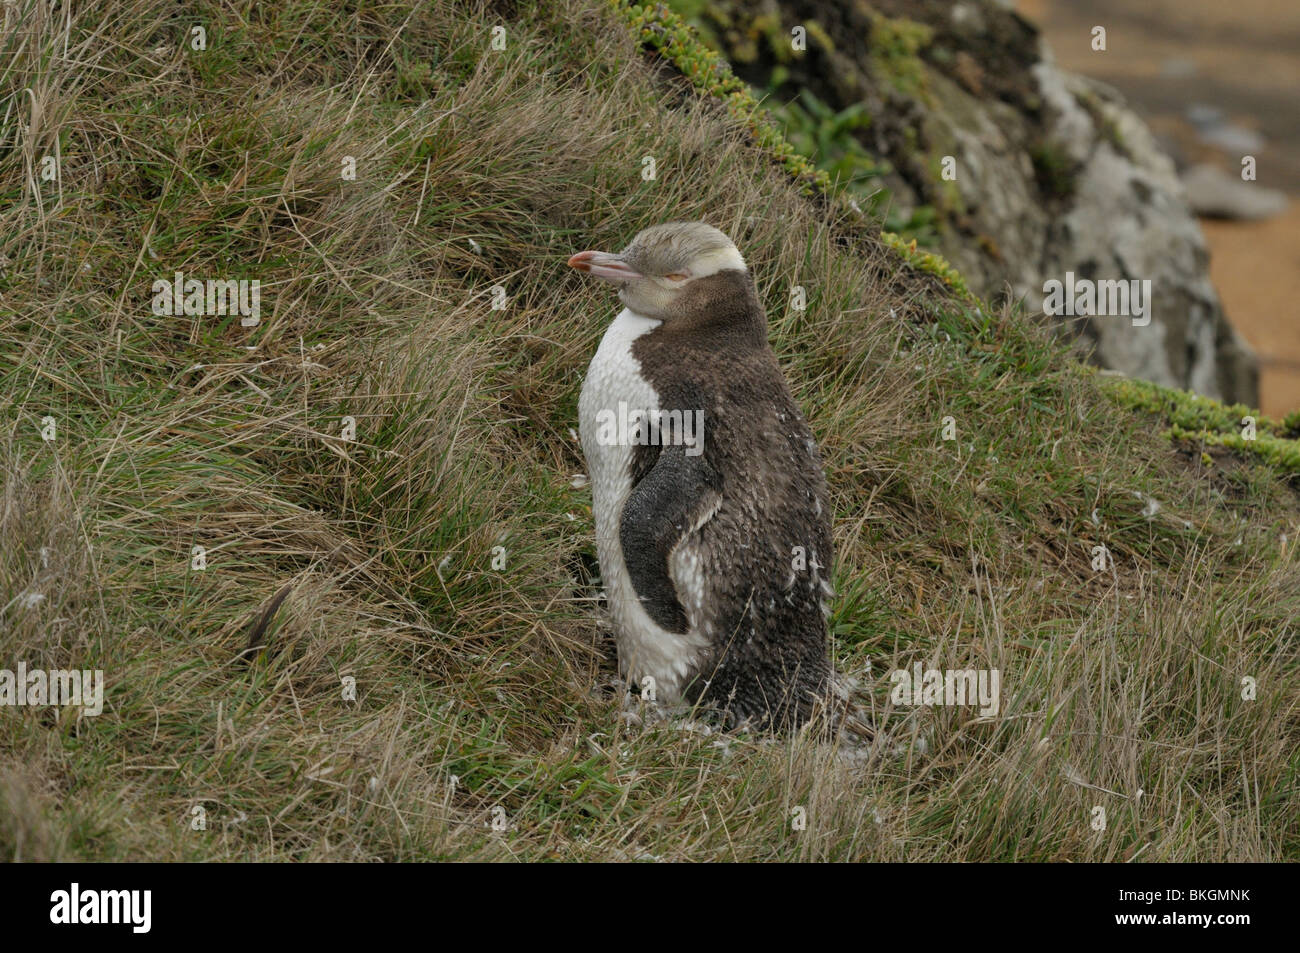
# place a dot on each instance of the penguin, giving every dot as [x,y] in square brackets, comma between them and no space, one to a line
[711,509]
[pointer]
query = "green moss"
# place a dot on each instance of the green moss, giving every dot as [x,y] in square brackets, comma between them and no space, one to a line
[1291,424]
[1054,171]
[1106,127]
[949,195]
[1190,411]
[1210,422]
[928,262]
[662,30]
[1281,454]
[894,46]
[767,26]
[818,33]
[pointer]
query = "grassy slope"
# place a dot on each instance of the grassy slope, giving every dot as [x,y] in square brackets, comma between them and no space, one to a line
[479,168]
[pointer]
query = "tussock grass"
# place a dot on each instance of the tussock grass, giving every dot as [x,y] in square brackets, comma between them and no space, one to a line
[476,169]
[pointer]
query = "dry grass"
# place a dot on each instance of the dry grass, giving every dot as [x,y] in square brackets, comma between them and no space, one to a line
[478,168]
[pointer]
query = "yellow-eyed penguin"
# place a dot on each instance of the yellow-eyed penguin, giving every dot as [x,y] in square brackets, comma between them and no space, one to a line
[712,519]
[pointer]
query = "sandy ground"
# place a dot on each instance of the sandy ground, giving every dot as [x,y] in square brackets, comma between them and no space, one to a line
[1242,58]
[1256,267]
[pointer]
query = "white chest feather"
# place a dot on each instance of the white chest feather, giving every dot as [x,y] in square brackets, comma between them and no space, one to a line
[615,378]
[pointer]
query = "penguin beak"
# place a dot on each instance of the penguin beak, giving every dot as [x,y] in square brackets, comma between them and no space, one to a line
[601,264]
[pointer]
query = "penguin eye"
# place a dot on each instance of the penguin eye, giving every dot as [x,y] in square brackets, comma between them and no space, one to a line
[677,276]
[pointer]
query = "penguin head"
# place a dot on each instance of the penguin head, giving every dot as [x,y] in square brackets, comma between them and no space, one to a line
[655,272]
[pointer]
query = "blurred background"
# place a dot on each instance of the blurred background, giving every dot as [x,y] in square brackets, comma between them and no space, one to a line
[1214,80]
[1123,163]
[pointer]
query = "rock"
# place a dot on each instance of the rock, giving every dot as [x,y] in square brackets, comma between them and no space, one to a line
[1213,193]
[1214,130]
[1177,67]
[1129,219]
[1055,173]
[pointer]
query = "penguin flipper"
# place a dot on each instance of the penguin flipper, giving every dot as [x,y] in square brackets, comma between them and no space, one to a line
[673,500]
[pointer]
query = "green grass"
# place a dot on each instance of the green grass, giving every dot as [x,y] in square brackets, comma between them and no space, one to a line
[479,692]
